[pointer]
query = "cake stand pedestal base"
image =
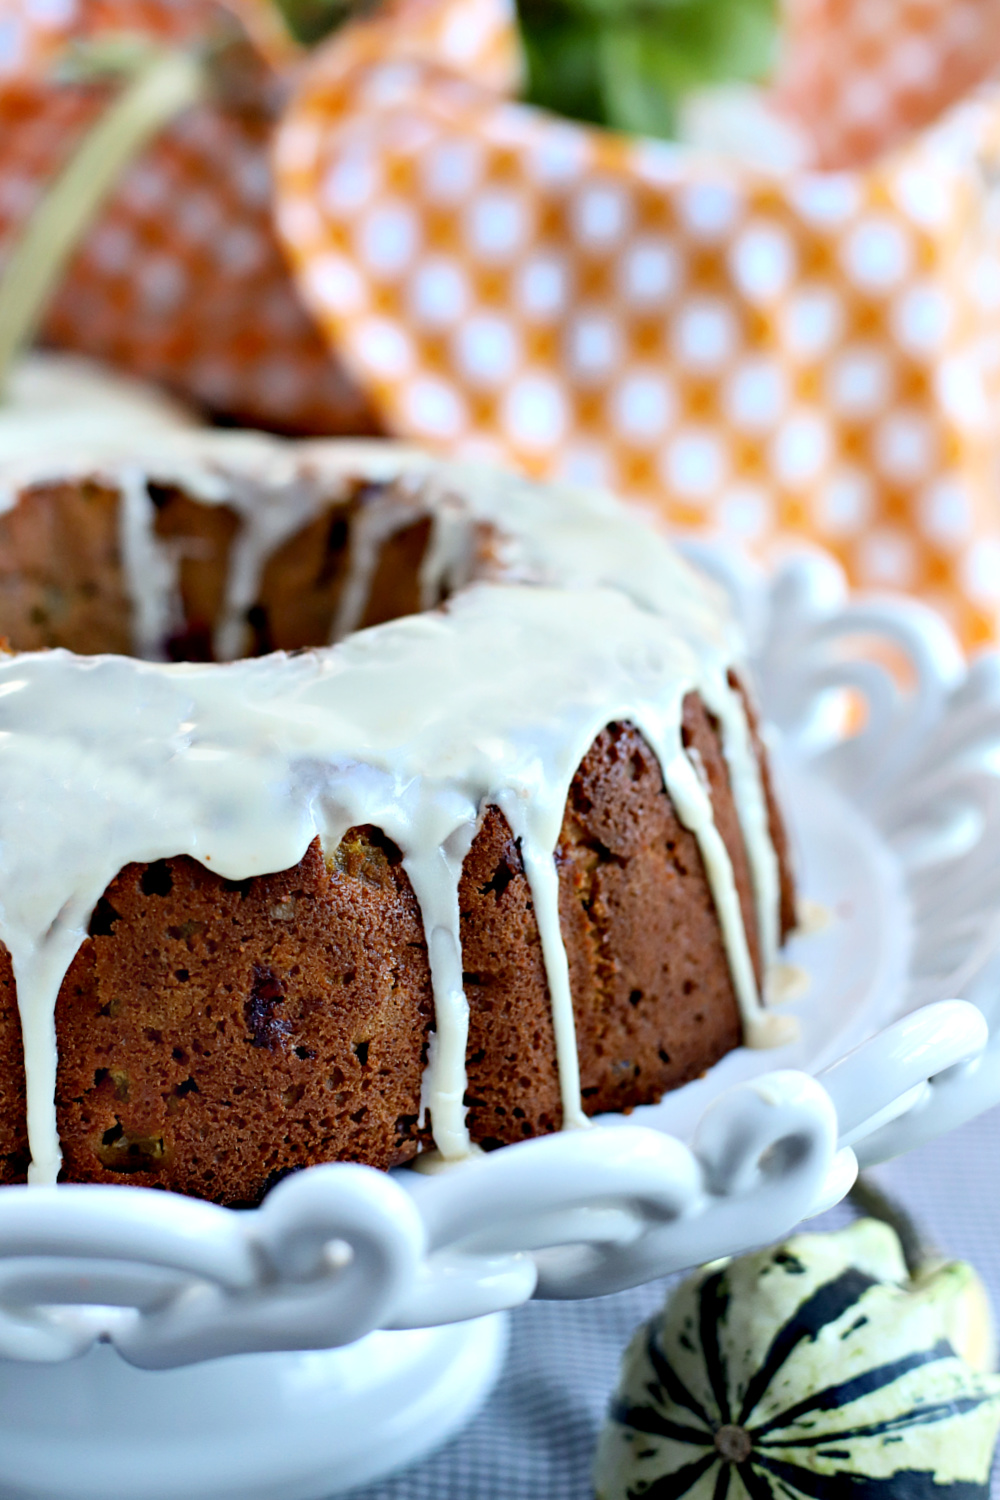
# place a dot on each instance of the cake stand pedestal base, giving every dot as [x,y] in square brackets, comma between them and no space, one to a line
[255,1427]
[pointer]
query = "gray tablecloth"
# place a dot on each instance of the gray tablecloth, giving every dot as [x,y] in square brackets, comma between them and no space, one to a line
[535,1437]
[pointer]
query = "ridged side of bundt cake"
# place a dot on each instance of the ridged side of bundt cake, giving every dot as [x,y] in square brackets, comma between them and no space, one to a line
[215,1033]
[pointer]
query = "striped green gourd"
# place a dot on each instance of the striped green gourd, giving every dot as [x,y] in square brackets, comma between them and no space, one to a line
[819,1369]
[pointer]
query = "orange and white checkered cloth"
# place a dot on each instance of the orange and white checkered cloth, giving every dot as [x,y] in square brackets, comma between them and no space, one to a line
[181,278]
[814,355]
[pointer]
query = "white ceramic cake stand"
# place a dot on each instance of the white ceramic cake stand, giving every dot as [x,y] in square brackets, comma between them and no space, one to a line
[152,1347]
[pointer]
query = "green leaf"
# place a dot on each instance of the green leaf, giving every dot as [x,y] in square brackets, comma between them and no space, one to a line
[310,21]
[628,63]
[563,68]
[641,79]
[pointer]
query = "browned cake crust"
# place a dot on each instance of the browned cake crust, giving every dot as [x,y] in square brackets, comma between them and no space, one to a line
[652,996]
[215,1035]
[61,579]
[13,1105]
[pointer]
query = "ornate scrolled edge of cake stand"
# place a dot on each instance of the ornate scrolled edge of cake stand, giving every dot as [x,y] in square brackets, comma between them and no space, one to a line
[341,1250]
[924,767]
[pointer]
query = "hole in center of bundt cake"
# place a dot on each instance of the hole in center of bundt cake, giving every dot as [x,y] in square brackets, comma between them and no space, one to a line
[72,573]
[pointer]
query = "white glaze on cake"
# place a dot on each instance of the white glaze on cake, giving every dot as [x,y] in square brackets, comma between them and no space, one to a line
[581,617]
[61,401]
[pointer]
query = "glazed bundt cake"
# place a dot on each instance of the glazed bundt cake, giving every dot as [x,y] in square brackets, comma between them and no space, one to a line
[504,857]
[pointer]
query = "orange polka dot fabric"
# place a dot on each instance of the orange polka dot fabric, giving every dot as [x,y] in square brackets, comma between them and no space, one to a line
[812,356]
[862,75]
[181,279]
[35,33]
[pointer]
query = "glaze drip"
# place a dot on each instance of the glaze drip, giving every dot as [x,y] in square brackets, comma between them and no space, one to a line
[563,614]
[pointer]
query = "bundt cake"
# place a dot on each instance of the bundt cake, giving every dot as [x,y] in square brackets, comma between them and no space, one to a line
[504,857]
